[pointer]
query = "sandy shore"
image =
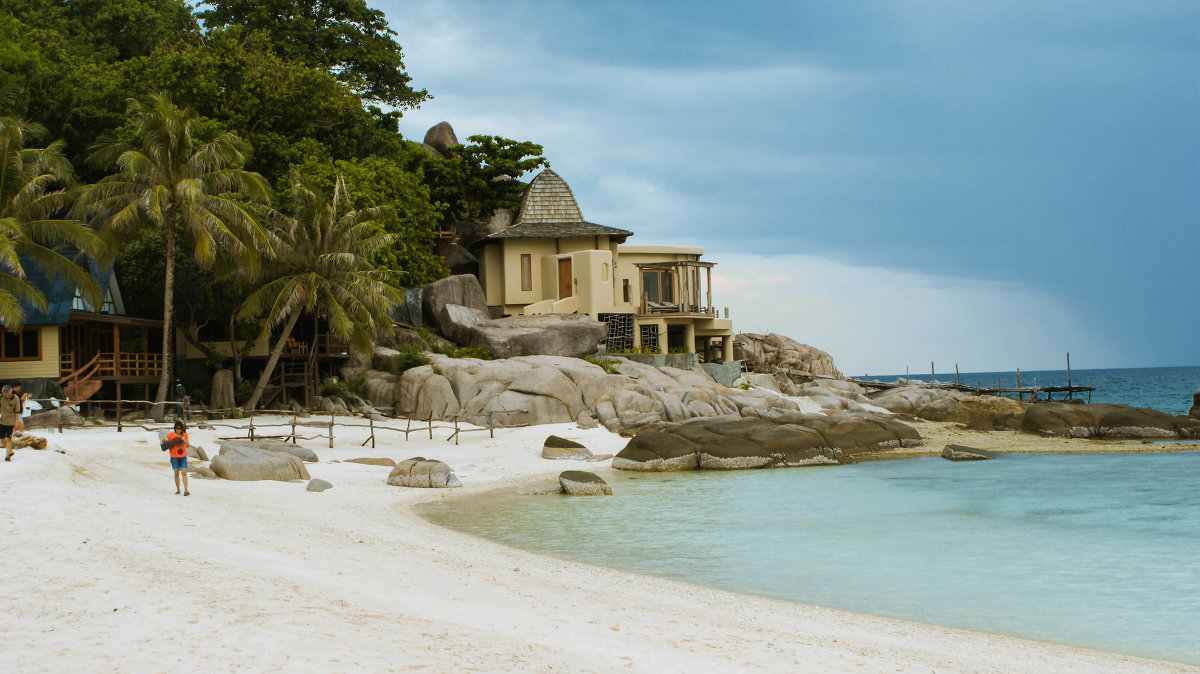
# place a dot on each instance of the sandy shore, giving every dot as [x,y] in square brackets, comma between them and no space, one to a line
[106,569]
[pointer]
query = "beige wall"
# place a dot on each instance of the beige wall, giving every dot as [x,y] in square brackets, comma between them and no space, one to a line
[46,367]
[262,348]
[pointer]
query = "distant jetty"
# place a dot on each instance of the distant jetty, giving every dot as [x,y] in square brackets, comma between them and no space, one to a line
[1032,393]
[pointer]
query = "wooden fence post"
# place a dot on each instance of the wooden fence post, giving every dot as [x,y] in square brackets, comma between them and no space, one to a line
[119,429]
[251,425]
[431,425]
[60,423]
[371,419]
[331,415]
[294,427]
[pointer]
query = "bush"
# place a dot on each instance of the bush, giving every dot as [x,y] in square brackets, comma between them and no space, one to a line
[410,356]
[609,365]
[245,389]
[462,351]
[332,386]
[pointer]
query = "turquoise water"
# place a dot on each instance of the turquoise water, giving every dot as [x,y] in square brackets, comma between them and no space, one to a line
[1101,551]
[1162,388]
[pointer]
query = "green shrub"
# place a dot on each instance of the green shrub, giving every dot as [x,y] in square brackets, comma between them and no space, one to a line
[332,386]
[461,351]
[410,356]
[245,389]
[357,383]
[609,365]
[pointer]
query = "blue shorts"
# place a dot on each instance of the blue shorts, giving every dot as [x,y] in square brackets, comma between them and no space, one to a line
[179,463]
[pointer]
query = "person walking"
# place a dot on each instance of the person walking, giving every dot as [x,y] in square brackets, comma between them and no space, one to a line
[10,408]
[25,411]
[183,402]
[177,444]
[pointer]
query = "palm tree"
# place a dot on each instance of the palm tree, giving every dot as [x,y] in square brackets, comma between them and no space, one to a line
[34,186]
[323,265]
[180,180]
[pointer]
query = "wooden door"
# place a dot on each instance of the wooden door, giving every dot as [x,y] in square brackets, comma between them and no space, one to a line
[564,279]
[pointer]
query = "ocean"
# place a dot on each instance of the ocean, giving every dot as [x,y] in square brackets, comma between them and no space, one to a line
[1168,389]
[1094,550]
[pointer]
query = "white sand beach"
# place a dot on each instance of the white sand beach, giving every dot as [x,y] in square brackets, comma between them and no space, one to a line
[107,569]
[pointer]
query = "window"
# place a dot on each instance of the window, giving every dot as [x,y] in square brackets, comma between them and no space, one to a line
[658,284]
[23,345]
[526,271]
[625,289]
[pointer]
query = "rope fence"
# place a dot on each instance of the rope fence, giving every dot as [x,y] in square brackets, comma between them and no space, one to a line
[297,423]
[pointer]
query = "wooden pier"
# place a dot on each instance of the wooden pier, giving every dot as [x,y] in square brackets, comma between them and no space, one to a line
[1031,393]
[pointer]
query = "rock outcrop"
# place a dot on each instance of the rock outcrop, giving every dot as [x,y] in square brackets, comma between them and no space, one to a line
[422,473]
[534,390]
[583,483]
[1195,411]
[244,461]
[441,137]
[963,453]
[984,413]
[1100,420]
[571,335]
[783,439]
[783,352]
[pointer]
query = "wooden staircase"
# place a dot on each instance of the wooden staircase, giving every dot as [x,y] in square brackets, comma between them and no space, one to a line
[289,374]
[80,384]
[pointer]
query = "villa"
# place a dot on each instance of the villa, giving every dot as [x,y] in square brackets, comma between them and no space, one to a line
[551,260]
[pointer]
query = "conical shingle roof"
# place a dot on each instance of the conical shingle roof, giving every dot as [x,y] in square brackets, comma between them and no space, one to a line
[549,210]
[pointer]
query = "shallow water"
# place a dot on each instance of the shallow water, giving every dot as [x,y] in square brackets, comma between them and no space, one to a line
[1092,550]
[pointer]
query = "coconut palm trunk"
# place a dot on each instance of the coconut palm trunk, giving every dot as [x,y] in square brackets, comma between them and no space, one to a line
[276,352]
[164,378]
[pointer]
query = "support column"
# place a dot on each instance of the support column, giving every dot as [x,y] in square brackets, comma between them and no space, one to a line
[689,336]
[727,348]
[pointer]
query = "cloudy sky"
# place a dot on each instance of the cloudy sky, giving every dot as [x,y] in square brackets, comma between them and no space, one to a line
[991,184]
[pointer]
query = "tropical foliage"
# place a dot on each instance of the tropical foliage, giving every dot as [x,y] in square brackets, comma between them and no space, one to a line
[177,178]
[149,133]
[323,264]
[34,194]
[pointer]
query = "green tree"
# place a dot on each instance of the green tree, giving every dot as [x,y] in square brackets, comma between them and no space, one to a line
[324,265]
[405,211]
[33,194]
[483,175]
[343,37]
[179,178]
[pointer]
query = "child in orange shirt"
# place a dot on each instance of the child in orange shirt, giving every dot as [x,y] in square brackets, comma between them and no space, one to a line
[177,444]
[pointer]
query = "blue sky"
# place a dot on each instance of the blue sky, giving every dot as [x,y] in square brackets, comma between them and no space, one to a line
[992,184]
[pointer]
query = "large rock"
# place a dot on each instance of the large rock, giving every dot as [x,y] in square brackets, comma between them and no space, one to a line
[461,290]
[573,335]
[1195,411]
[786,439]
[271,445]
[564,449]
[51,417]
[963,453]
[583,483]
[221,397]
[1100,420]
[246,462]
[441,137]
[422,473]
[409,312]
[778,351]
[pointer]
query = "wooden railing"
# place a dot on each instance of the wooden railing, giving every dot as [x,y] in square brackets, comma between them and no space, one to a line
[66,363]
[130,364]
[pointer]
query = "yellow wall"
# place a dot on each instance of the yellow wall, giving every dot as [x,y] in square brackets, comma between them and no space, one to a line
[47,367]
[512,251]
[491,274]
